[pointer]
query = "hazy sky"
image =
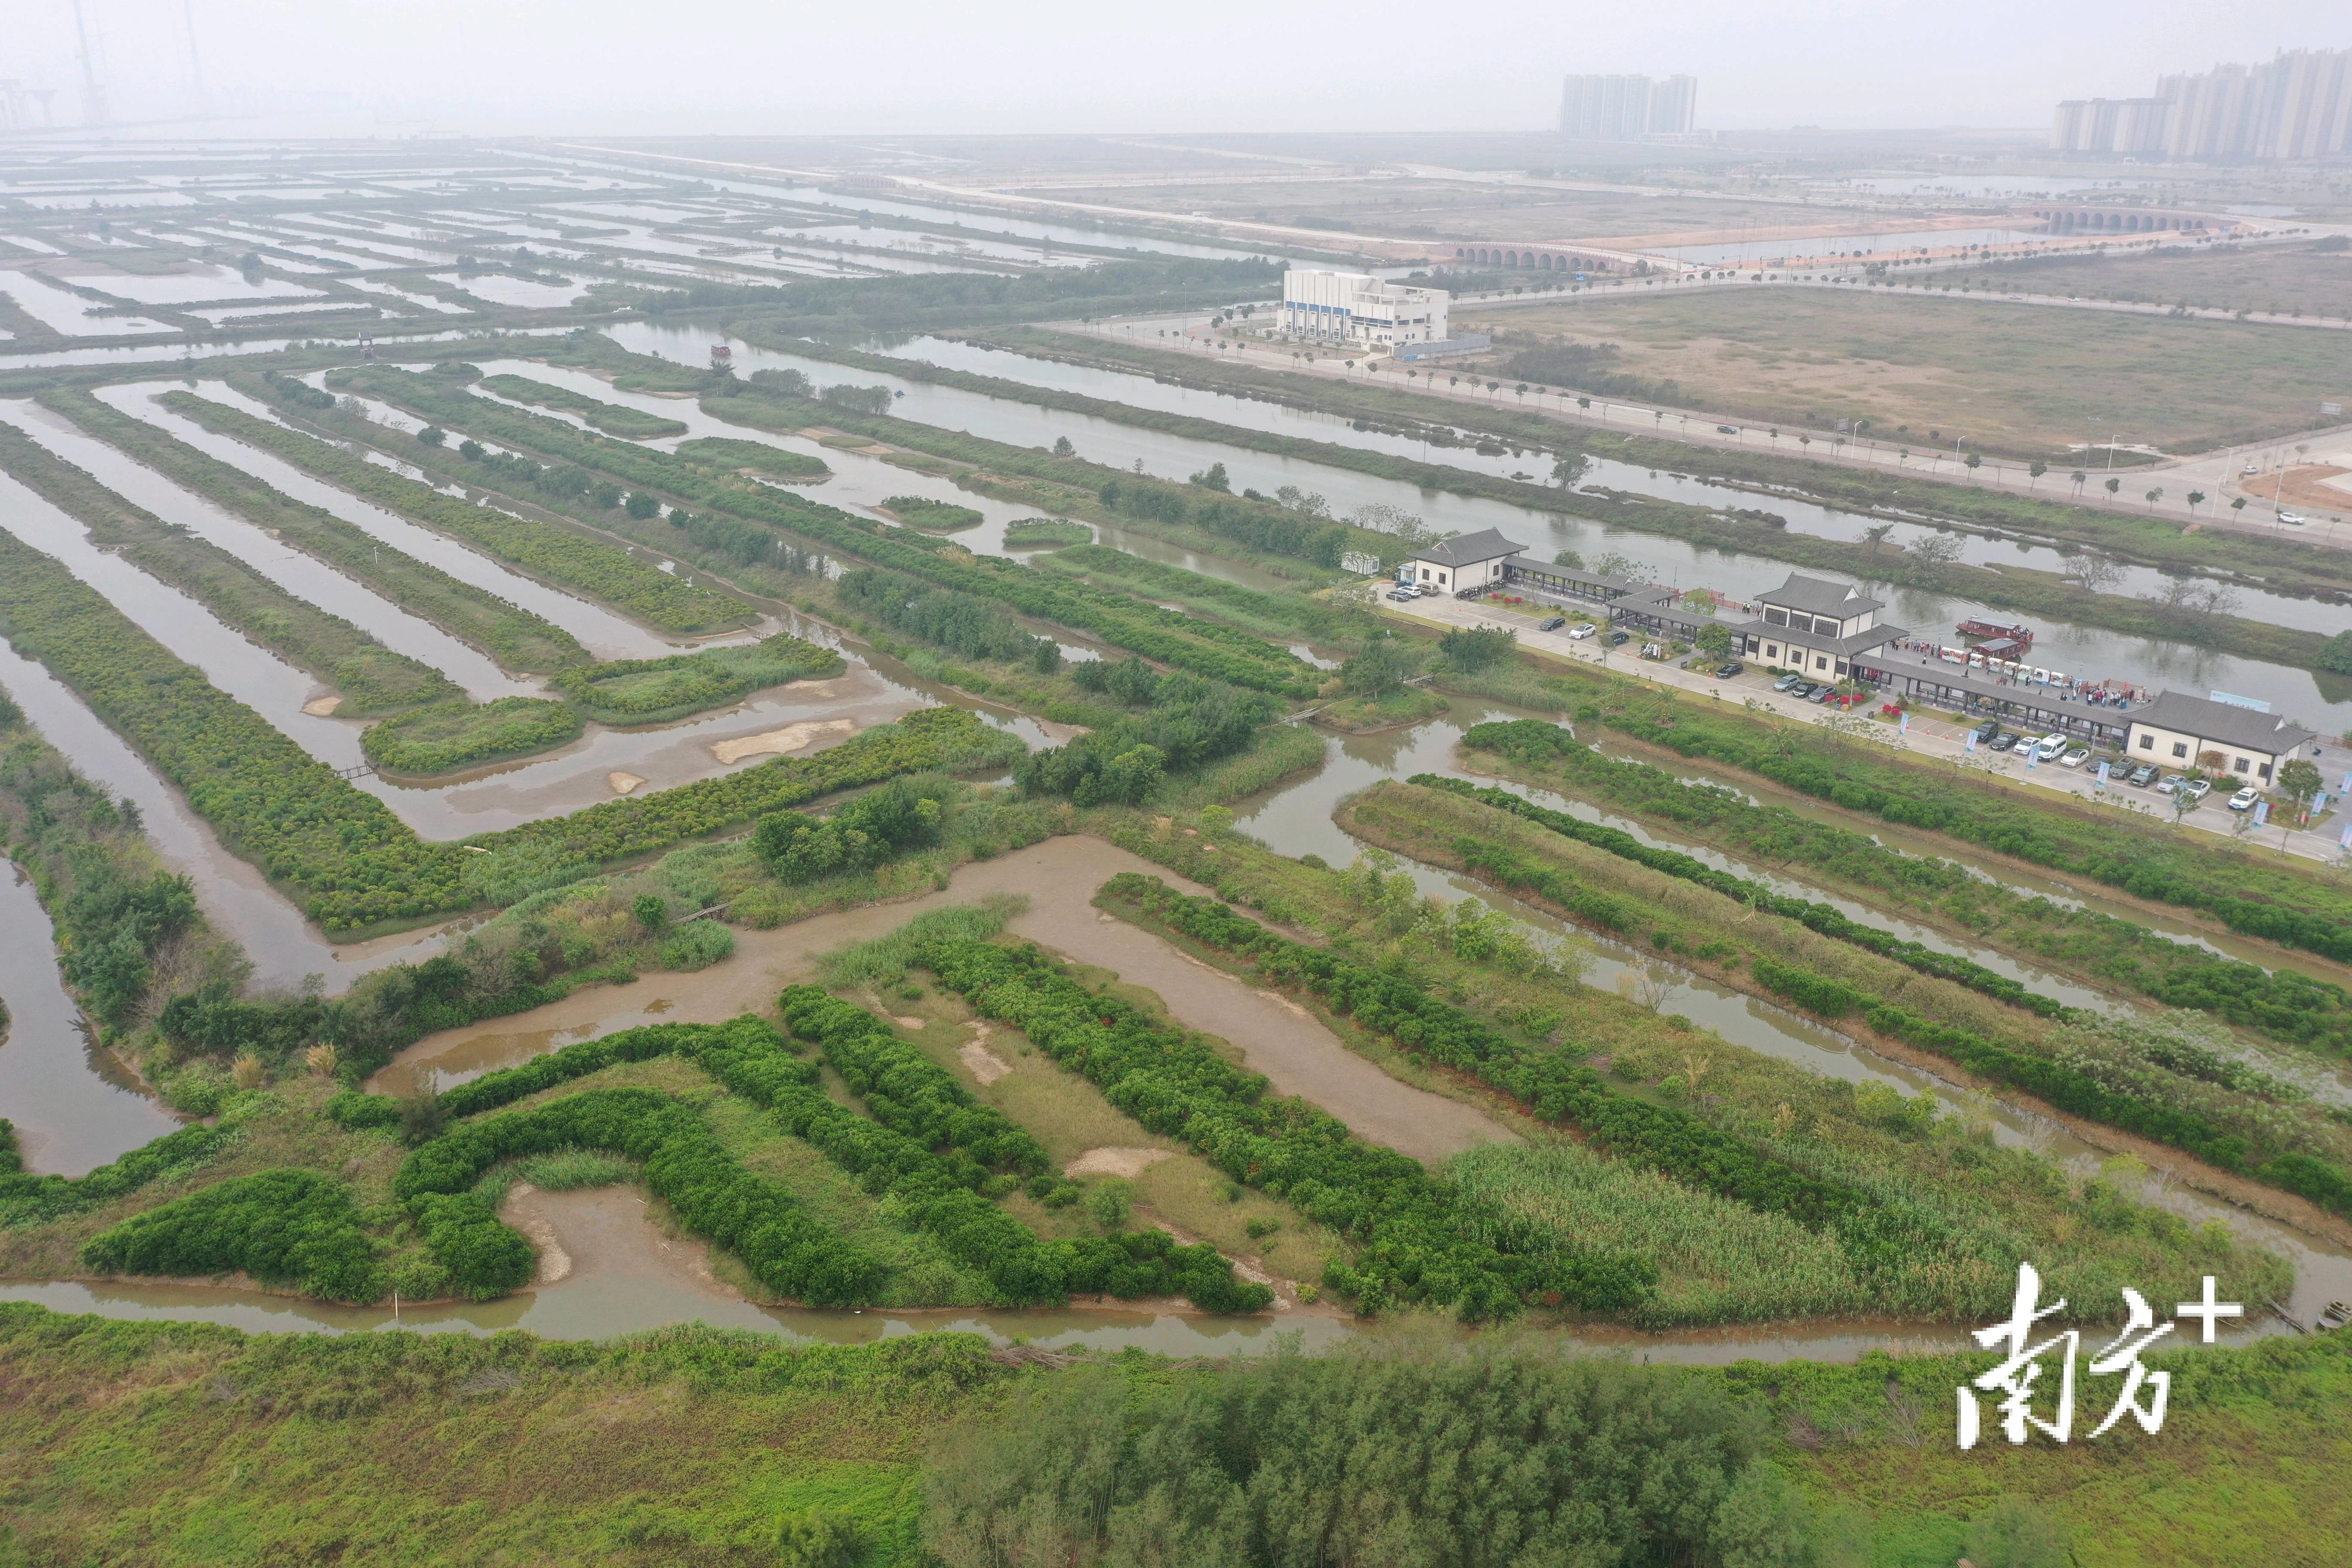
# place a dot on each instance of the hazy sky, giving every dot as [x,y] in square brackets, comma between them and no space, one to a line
[917,66]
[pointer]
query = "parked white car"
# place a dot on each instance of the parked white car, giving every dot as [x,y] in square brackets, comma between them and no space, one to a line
[2245,799]
[2049,748]
[1582,630]
[2075,758]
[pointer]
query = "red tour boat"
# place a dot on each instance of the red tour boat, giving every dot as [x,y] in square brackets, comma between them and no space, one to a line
[2021,635]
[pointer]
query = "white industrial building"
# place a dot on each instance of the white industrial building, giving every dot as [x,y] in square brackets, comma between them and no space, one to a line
[1359,311]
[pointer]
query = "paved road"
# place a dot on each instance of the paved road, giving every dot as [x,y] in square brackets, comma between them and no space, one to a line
[2213,474]
[1927,737]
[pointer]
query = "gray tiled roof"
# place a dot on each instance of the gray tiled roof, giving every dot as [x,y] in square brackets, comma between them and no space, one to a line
[1819,597]
[1469,549]
[2223,721]
[1846,646]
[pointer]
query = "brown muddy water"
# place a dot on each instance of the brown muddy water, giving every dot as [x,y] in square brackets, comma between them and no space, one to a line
[1295,815]
[1059,876]
[1293,1050]
[73,1104]
[623,1274]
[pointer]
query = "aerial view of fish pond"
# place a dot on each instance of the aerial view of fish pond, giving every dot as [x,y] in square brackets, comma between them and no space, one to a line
[1544,838]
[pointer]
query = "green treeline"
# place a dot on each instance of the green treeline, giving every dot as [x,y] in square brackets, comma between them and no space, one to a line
[2274,900]
[1416,1247]
[936,1155]
[588,566]
[27,1199]
[452,736]
[1165,723]
[944,517]
[1046,533]
[1224,653]
[1823,918]
[349,860]
[728,452]
[282,1227]
[856,307]
[2283,564]
[1269,614]
[372,678]
[1266,527]
[2266,1153]
[1879,1232]
[939,1448]
[113,902]
[1475,1461]
[517,640]
[962,623]
[613,419]
[986,1153]
[658,690]
[891,819]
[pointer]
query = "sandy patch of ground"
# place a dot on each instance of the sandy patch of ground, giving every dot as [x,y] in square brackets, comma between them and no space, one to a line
[623,783]
[321,707]
[554,1263]
[986,1063]
[601,1239]
[1292,1047]
[791,738]
[1114,1162]
[2314,485]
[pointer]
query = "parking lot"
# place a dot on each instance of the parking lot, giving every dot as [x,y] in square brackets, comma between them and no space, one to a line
[1926,734]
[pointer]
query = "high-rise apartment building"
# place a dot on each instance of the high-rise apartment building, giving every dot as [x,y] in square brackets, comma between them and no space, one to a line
[1626,107]
[2297,106]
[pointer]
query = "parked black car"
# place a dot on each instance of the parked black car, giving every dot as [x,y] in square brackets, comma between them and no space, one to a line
[1725,671]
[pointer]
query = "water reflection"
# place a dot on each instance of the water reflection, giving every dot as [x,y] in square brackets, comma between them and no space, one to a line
[73,1104]
[2154,663]
[1296,816]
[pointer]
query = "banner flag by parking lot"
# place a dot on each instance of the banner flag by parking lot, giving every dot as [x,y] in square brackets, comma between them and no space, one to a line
[2262,812]
[2103,775]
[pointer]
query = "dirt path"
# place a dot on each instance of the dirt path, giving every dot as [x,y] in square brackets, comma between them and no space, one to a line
[1060,875]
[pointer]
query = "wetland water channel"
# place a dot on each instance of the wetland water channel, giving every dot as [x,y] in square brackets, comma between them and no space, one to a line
[1296,815]
[644,1282]
[2083,650]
